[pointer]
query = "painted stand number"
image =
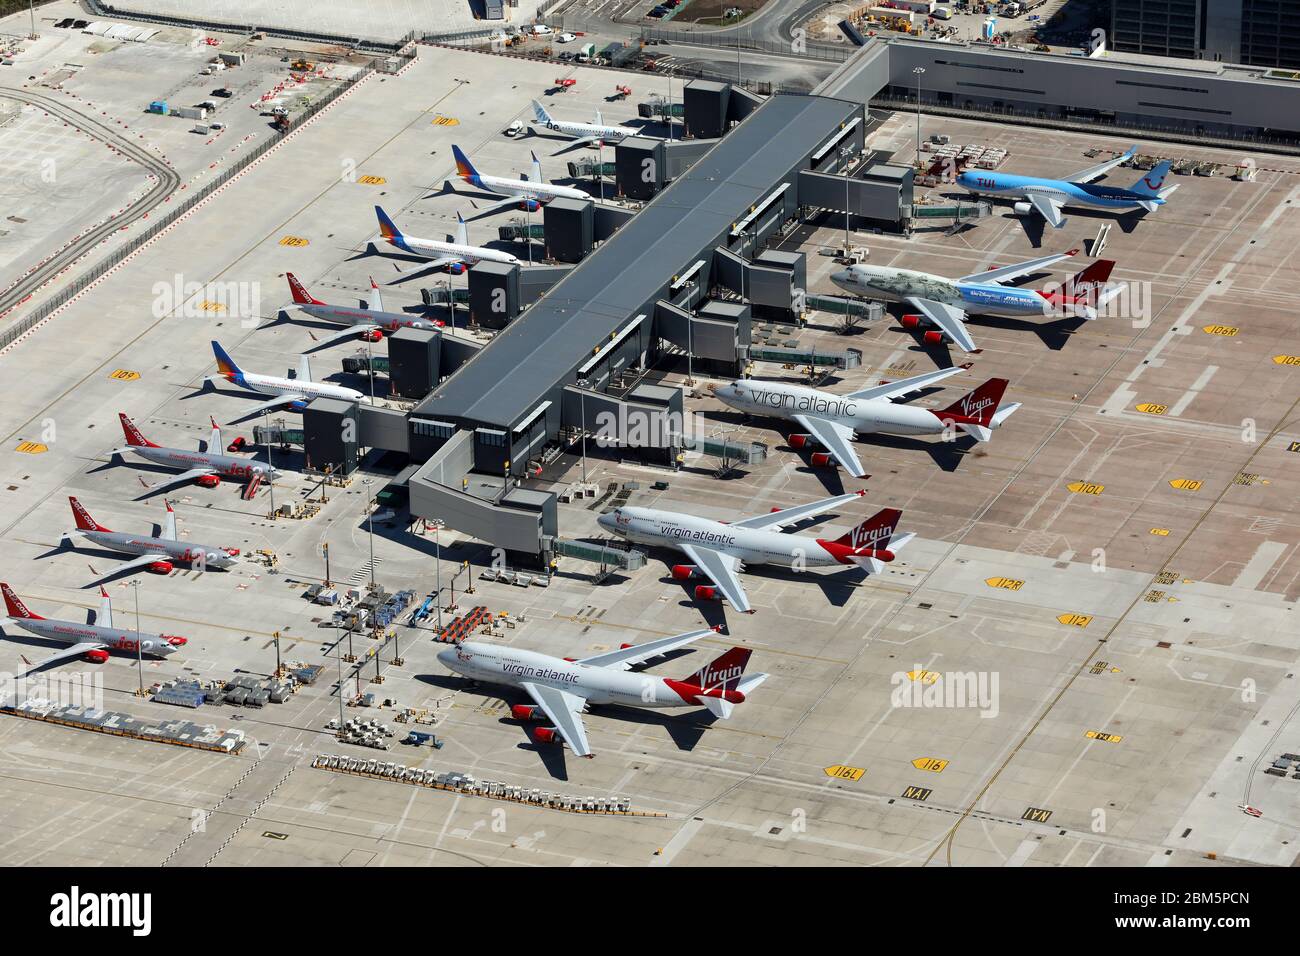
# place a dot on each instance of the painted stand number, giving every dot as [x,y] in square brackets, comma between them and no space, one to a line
[1007,584]
[1098,735]
[371,180]
[293,241]
[1085,488]
[932,764]
[845,773]
[1075,620]
[1150,408]
[1186,484]
[125,375]
[1224,330]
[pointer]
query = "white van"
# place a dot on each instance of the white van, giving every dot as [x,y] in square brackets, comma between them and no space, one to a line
[540,29]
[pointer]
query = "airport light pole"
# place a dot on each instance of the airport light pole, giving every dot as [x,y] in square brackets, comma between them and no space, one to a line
[139,655]
[370,525]
[370,367]
[338,652]
[270,465]
[845,153]
[919,71]
[582,405]
[437,568]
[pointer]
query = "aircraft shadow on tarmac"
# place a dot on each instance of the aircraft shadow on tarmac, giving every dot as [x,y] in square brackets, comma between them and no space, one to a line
[684,728]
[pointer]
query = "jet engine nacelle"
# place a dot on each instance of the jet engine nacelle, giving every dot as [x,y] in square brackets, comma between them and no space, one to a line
[820,459]
[530,205]
[704,592]
[372,335]
[161,567]
[97,657]
[548,735]
[1023,208]
[526,712]
[933,337]
[913,321]
[456,268]
[684,572]
[802,441]
[208,481]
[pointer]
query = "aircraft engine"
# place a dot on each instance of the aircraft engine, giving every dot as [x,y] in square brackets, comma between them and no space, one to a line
[684,572]
[705,593]
[97,657]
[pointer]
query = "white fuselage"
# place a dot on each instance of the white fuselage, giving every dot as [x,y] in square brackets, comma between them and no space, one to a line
[434,249]
[342,315]
[165,548]
[114,638]
[525,188]
[889,284]
[671,529]
[227,466]
[598,685]
[783,400]
[606,134]
[275,385]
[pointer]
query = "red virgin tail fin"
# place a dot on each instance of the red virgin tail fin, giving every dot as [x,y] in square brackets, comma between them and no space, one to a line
[84,521]
[1096,275]
[300,293]
[133,436]
[724,671]
[979,406]
[15,607]
[874,533]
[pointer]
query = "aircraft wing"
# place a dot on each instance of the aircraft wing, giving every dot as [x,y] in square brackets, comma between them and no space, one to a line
[565,712]
[1048,209]
[951,321]
[722,569]
[1007,273]
[500,204]
[1101,169]
[180,479]
[626,657]
[76,650]
[788,516]
[142,561]
[442,261]
[835,438]
[902,386]
[275,403]
[352,331]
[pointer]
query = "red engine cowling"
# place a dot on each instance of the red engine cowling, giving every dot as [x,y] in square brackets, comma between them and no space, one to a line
[933,338]
[208,481]
[161,567]
[802,441]
[97,657]
[175,641]
[705,593]
[531,205]
[820,459]
[912,321]
[372,335]
[456,268]
[524,712]
[547,735]
[683,572]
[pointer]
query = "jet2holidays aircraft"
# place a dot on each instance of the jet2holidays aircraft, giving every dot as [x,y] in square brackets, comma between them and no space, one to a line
[368,323]
[205,466]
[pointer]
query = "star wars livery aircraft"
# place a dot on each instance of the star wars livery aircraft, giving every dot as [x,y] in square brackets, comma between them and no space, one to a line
[294,392]
[562,688]
[158,555]
[594,132]
[945,303]
[831,421]
[369,323]
[1047,197]
[94,639]
[720,550]
[530,194]
[206,466]
[455,255]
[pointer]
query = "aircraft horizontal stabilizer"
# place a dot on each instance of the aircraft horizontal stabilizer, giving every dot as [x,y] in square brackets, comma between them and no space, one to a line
[718,707]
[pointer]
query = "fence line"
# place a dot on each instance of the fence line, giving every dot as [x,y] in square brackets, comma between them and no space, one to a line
[20,327]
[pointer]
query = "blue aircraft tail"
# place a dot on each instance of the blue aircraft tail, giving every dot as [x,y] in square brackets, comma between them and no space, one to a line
[387,228]
[1153,182]
[225,364]
[463,166]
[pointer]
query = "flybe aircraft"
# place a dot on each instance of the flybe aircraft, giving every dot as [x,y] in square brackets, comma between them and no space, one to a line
[597,131]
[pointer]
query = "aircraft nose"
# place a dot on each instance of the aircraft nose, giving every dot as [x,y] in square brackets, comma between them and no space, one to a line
[843,277]
[446,657]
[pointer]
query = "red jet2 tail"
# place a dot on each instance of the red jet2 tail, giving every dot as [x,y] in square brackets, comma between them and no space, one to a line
[300,293]
[84,521]
[15,607]
[133,436]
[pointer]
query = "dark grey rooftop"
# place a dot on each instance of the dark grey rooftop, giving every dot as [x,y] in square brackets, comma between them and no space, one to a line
[621,279]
